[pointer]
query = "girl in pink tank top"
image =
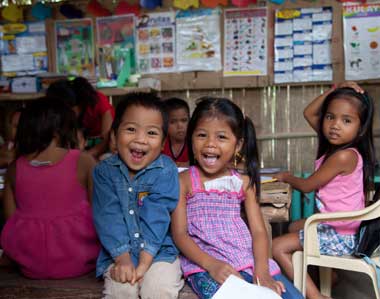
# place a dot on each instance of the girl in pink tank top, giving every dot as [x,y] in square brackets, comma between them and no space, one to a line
[49,231]
[343,174]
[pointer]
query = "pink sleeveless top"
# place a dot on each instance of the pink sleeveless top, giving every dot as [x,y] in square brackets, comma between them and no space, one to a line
[51,234]
[343,193]
[215,225]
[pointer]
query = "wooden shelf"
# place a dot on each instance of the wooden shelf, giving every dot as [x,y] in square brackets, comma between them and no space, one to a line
[107,91]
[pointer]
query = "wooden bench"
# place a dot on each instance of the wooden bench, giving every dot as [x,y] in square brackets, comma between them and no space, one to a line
[14,286]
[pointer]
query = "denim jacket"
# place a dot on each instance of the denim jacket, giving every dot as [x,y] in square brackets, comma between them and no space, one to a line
[131,215]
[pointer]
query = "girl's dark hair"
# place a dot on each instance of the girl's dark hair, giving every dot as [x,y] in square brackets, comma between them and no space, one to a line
[40,122]
[85,93]
[62,90]
[363,141]
[146,100]
[242,127]
[175,104]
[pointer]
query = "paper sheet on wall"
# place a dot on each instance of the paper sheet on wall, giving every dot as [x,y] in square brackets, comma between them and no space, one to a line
[155,43]
[303,45]
[235,287]
[198,40]
[362,41]
[245,42]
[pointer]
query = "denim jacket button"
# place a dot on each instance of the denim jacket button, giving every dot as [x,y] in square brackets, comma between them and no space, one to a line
[137,235]
[131,212]
[130,189]
[142,245]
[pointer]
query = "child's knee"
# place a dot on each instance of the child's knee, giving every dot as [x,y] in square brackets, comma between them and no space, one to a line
[116,290]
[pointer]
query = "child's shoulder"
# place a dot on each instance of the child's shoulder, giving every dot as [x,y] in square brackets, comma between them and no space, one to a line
[166,164]
[348,155]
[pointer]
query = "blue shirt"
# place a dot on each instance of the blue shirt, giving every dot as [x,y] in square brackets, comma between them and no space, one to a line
[131,215]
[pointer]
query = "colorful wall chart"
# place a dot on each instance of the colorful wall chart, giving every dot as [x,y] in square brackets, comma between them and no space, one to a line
[75,47]
[362,41]
[155,42]
[245,42]
[303,45]
[23,49]
[198,40]
[115,36]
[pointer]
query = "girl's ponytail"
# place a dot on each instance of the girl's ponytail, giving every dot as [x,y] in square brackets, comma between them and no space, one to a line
[250,154]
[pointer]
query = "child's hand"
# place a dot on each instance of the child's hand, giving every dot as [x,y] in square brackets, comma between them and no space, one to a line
[351,84]
[269,282]
[281,176]
[123,270]
[220,271]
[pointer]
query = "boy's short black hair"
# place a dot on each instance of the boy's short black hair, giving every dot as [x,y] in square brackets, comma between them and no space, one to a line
[146,100]
[62,90]
[175,104]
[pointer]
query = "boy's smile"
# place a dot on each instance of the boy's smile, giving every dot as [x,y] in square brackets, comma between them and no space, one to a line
[139,137]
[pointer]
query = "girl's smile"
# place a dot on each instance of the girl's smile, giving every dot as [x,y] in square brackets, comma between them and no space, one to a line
[214,145]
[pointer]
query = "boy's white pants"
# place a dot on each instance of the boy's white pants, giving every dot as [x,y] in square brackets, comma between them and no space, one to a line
[163,280]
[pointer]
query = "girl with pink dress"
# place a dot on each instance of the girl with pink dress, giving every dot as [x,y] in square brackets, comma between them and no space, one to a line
[49,230]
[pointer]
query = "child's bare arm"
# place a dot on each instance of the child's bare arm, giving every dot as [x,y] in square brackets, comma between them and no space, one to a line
[341,163]
[145,261]
[9,203]
[312,111]
[260,239]
[86,164]
[218,270]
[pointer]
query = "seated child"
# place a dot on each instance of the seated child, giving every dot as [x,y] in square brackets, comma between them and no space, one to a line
[135,192]
[207,225]
[49,230]
[175,144]
[343,174]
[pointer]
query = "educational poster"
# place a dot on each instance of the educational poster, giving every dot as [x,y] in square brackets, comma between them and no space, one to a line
[198,40]
[115,42]
[23,49]
[156,42]
[245,42]
[302,45]
[75,47]
[362,41]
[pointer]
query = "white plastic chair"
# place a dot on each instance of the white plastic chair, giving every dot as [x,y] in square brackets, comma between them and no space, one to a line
[311,255]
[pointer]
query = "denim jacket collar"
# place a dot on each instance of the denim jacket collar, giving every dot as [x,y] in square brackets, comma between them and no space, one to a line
[115,160]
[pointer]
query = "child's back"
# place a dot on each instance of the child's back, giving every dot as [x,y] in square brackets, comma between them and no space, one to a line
[49,232]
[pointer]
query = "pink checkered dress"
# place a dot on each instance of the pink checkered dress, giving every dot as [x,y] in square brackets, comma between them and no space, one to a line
[215,224]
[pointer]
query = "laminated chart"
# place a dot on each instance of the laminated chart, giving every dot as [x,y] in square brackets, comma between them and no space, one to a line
[115,37]
[245,44]
[23,49]
[302,45]
[362,41]
[198,40]
[75,47]
[155,43]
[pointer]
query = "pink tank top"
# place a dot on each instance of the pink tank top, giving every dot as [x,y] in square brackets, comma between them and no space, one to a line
[51,234]
[343,193]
